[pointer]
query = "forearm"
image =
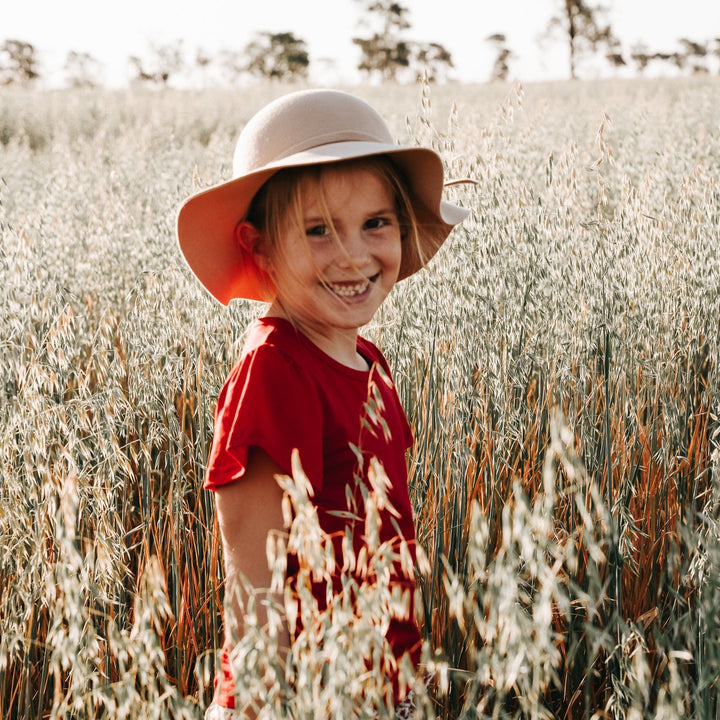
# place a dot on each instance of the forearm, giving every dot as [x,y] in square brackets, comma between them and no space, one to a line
[266,608]
[258,638]
[250,515]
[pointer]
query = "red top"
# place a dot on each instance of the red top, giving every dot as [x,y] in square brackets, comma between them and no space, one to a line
[286,393]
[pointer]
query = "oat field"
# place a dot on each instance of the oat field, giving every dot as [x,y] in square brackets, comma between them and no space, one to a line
[558,363]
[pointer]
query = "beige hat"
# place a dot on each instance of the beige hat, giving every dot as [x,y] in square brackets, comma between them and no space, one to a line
[304,128]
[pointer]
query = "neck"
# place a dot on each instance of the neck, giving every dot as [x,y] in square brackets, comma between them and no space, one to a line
[340,344]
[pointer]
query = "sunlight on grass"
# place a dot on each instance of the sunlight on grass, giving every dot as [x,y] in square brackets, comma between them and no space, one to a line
[558,364]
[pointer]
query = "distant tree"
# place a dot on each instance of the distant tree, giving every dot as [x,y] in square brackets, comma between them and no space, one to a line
[503,54]
[690,56]
[18,63]
[82,70]
[379,58]
[693,48]
[678,59]
[583,26]
[431,60]
[201,65]
[641,56]
[277,56]
[164,62]
[615,58]
[141,72]
[695,54]
[387,53]
[202,59]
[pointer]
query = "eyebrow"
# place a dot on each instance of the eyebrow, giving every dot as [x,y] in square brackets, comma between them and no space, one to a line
[389,210]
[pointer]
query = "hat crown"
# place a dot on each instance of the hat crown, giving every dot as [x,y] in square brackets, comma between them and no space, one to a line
[304,120]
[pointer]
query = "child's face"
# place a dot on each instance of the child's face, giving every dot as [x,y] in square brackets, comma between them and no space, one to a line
[327,282]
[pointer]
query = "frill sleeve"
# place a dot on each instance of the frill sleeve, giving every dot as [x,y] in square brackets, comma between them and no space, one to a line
[267,402]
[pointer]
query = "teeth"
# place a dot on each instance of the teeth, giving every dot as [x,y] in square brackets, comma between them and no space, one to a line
[350,290]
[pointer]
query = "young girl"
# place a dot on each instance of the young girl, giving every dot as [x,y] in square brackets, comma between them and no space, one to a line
[324,215]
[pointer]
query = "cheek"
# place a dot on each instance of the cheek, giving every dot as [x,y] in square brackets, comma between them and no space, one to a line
[395,252]
[295,258]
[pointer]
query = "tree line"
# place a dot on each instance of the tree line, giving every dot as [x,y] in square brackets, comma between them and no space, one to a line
[385,52]
[587,31]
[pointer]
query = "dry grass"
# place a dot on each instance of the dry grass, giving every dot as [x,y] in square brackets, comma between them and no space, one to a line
[559,366]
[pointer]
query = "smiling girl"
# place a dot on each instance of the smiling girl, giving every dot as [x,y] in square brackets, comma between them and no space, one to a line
[324,215]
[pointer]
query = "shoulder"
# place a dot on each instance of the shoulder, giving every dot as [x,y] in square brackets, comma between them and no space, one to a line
[272,337]
[271,343]
[268,401]
[379,363]
[270,365]
[372,352]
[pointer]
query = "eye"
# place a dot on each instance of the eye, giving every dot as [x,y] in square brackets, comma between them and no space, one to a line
[377,223]
[317,231]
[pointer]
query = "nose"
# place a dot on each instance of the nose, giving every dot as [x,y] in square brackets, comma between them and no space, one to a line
[355,251]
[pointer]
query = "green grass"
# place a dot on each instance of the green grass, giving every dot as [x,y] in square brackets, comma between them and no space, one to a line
[558,364]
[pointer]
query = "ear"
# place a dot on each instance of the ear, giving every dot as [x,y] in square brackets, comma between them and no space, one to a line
[252,242]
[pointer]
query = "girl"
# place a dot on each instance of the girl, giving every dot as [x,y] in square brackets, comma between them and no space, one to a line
[323,216]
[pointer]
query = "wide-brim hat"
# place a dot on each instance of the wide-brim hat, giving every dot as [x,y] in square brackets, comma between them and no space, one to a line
[304,128]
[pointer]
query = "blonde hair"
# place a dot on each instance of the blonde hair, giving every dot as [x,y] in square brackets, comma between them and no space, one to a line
[278,205]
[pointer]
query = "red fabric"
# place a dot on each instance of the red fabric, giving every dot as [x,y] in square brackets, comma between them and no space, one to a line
[286,393]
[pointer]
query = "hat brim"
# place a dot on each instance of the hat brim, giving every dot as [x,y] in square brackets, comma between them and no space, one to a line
[207,221]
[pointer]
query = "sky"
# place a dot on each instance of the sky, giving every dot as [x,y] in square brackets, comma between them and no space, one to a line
[113,31]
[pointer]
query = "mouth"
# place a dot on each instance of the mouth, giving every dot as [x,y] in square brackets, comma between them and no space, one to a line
[348,290]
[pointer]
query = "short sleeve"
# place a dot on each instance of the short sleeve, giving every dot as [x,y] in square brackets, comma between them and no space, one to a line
[267,402]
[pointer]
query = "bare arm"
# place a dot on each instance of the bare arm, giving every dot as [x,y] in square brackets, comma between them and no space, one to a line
[248,510]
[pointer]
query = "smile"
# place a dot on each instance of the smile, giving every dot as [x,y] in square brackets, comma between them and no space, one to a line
[346,290]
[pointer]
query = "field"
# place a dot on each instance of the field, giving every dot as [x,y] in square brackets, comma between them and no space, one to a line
[558,363]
